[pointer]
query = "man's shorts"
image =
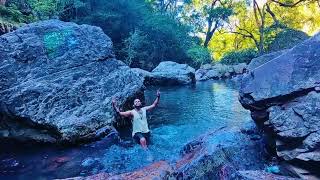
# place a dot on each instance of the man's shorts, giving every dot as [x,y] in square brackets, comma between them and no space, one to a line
[137,136]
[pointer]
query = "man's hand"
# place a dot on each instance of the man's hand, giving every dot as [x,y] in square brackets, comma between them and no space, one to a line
[114,103]
[158,93]
[155,103]
[124,114]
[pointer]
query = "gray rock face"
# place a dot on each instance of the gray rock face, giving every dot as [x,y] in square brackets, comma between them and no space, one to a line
[219,71]
[284,91]
[146,75]
[219,155]
[256,62]
[298,121]
[57,81]
[295,71]
[171,73]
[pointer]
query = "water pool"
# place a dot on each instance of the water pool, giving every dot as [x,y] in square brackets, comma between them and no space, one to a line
[183,114]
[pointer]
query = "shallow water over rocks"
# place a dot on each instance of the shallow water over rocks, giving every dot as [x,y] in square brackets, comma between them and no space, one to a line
[184,113]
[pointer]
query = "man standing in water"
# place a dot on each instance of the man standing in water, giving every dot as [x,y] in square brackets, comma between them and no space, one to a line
[140,129]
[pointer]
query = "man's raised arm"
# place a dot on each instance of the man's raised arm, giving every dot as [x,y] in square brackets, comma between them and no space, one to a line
[155,103]
[123,114]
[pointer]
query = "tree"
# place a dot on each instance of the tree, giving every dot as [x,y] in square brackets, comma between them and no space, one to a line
[266,22]
[243,30]
[260,18]
[208,16]
[166,5]
[217,14]
[294,3]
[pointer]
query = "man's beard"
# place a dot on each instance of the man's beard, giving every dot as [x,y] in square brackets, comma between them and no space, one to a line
[138,107]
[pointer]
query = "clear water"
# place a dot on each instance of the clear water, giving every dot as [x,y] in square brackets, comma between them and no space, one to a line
[183,114]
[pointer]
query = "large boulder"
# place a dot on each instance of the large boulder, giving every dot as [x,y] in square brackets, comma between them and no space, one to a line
[171,73]
[256,62]
[57,82]
[240,68]
[219,155]
[283,96]
[146,75]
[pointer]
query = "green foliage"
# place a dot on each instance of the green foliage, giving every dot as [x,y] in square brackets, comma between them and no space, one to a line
[145,32]
[200,55]
[44,9]
[13,15]
[134,47]
[219,13]
[286,39]
[142,36]
[47,9]
[242,56]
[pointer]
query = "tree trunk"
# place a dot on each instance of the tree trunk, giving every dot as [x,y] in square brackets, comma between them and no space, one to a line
[261,41]
[208,38]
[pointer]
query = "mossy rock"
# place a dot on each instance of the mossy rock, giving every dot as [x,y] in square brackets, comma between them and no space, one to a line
[286,39]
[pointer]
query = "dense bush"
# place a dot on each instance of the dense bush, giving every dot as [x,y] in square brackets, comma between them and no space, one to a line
[242,56]
[142,36]
[199,55]
[13,15]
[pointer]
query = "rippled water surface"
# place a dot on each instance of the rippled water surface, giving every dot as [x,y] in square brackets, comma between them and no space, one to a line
[183,114]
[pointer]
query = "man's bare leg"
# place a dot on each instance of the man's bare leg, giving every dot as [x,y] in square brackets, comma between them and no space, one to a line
[143,143]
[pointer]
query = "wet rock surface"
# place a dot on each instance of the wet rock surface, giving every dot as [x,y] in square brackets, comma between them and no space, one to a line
[57,81]
[218,154]
[257,175]
[157,170]
[283,98]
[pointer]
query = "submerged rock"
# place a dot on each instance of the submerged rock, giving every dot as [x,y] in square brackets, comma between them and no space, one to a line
[257,175]
[9,165]
[283,98]
[157,170]
[57,82]
[219,154]
[225,153]
[171,73]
